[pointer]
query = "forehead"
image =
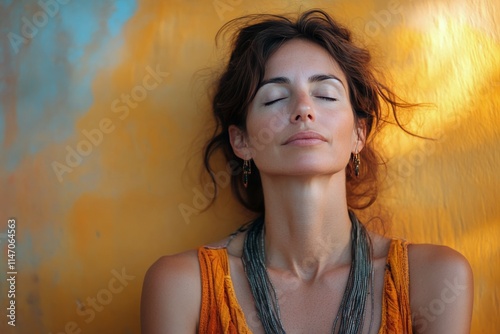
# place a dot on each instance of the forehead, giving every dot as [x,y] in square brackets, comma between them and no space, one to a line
[302,56]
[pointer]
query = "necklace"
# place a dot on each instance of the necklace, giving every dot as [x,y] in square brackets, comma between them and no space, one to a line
[350,316]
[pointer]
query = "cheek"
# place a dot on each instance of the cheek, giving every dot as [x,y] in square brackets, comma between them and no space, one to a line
[262,130]
[343,127]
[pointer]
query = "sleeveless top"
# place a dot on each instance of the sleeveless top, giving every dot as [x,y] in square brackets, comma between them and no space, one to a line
[221,313]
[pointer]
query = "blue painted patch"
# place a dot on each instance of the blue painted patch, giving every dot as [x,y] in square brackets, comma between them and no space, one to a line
[123,11]
[57,67]
[26,251]
[2,123]
[6,3]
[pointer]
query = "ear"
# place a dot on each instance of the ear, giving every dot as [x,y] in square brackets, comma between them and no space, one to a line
[359,136]
[239,143]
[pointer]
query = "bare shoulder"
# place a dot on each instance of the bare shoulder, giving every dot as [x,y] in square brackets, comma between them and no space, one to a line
[177,268]
[171,295]
[441,289]
[430,264]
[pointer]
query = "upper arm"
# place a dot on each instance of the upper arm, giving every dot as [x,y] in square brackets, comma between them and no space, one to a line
[171,295]
[441,290]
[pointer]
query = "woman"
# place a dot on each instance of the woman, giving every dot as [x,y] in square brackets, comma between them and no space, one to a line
[298,107]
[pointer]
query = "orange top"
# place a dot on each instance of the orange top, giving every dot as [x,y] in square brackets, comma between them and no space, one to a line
[221,313]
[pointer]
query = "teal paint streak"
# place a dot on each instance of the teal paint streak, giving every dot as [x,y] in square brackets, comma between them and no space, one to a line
[6,2]
[123,11]
[55,70]
[2,126]
[31,257]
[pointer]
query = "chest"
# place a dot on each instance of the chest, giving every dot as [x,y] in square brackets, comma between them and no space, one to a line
[309,306]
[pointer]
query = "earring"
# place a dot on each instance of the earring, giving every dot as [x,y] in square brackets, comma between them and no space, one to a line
[247,170]
[357,162]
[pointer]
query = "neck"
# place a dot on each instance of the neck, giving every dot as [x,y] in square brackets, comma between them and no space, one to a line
[308,229]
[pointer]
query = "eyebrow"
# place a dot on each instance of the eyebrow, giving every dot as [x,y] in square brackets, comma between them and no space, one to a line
[314,78]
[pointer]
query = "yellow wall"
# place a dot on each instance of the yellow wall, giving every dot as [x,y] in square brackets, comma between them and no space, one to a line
[118,208]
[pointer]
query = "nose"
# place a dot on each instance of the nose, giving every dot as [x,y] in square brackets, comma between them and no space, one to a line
[303,110]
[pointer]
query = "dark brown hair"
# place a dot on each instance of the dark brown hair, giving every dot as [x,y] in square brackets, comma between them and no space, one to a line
[258,38]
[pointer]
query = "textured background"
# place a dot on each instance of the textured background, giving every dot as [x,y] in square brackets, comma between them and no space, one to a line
[103,114]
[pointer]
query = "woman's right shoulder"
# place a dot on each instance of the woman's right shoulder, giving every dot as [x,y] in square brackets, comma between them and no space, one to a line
[171,294]
[174,272]
[172,266]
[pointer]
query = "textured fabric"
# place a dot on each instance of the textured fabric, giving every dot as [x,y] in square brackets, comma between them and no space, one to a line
[221,313]
[396,314]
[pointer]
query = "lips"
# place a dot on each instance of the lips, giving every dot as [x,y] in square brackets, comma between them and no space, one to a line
[305,138]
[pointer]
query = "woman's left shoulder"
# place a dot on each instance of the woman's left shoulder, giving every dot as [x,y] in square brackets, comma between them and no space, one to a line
[441,289]
[430,262]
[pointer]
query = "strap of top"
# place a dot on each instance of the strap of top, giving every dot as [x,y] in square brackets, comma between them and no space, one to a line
[221,313]
[396,313]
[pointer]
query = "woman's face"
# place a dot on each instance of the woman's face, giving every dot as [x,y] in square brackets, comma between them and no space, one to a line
[300,121]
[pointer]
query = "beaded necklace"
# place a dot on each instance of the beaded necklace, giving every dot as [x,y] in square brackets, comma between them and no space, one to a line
[350,316]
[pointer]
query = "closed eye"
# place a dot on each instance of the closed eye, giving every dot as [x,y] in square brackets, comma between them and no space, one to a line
[327,98]
[274,101]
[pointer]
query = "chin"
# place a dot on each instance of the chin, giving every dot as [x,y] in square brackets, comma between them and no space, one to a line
[312,169]
[309,165]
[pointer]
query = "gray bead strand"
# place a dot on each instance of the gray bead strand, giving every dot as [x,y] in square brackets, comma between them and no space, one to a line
[351,313]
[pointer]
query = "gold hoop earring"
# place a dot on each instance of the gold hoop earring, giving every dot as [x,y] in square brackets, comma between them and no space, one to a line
[357,162]
[247,170]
